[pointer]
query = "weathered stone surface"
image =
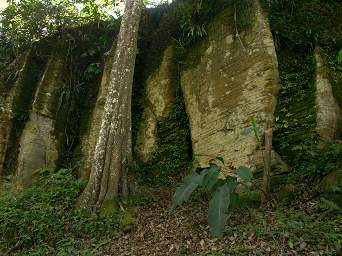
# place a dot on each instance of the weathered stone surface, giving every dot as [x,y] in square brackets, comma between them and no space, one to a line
[329,116]
[38,148]
[8,101]
[232,82]
[88,140]
[38,143]
[160,96]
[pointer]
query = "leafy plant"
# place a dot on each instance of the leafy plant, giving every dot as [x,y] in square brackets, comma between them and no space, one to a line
[319,162]
[222,182]
[41,220]
[24,22]
[192,25]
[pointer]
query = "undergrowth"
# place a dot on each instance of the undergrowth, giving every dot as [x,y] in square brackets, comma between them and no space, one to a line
[298,26]
[41,220]
[307,230]
[320,161]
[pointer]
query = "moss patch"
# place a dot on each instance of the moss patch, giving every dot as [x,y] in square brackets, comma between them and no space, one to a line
[295,114]
[174,145]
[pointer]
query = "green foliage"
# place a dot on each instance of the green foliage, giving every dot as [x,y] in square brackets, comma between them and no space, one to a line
[83,50]
[27,21]
[244,173]
[334,63]
[30,20]
[298,26]
[244,13]
[306,22]
[339,57]
[41,220]
[304,230]
[174,146]
[327,205]
[319,162]
[218,205]
[192,21]
[194,16]
[190,183]
[294,130]
[222,183]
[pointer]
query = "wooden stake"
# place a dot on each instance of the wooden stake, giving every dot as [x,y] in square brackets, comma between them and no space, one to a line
[267,161]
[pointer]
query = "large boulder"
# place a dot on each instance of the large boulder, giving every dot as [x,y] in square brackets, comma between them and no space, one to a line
[328,113]
[38,142]
[235,78]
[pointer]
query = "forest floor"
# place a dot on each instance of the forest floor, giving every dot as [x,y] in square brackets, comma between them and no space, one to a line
[307,229]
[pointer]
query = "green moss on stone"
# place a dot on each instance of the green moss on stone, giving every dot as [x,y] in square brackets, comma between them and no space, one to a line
[295,114]
[174,146]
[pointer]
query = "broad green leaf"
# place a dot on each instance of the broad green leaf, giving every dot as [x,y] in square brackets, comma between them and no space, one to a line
[253,121]
[231,182]
[210,179]
[256,129]
[183,192]
[218,210]
[234,200]
[244,173]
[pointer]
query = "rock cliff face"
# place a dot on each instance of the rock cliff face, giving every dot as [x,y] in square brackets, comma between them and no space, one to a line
[16,92]
[329,116]
[160,97]
[7,104]
[38,143]
[223,80]
[236,78]
[45,98]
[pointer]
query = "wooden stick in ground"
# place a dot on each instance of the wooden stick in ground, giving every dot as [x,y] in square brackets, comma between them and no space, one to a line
[267,161]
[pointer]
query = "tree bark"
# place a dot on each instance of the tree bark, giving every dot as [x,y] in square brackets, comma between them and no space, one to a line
[113,151]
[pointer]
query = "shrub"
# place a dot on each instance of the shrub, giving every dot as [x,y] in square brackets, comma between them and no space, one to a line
[41,219]
[222,182]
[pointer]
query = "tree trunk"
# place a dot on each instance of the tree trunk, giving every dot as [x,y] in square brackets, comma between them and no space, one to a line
[113,151]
